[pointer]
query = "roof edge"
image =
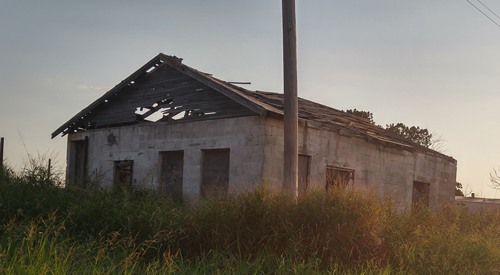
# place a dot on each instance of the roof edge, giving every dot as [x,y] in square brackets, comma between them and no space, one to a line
[161,59]
[136,75]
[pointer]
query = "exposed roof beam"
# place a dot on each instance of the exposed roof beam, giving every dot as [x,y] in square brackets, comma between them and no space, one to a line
[216,84]
[141,72]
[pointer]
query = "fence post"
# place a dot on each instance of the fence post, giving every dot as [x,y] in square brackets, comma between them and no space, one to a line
[1,153]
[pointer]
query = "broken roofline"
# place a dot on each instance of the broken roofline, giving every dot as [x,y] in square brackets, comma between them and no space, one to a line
[155,63]
[326,117]
[262,103]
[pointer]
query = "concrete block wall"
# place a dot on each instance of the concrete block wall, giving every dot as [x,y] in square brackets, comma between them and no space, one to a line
[244,136]
[441,173]
[379,169]
[256,155]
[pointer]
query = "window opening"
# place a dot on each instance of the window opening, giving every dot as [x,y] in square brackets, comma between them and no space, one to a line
[123,173]
[338,178]
[215,173]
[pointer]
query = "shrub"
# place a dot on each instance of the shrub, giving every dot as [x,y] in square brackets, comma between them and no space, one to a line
[51,229]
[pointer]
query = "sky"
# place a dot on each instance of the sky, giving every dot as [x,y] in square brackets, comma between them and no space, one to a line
[433,64]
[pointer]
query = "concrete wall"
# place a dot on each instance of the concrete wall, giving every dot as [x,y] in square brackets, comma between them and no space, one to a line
[440,173]
[380,169]
[256,155]
[244,136]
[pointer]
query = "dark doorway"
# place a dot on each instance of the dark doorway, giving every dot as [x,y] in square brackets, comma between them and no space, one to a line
[304,161]
[215,173]
[77,163]
[172,164]
[421,192]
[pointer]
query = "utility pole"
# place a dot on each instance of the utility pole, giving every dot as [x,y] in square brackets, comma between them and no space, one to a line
[290,177]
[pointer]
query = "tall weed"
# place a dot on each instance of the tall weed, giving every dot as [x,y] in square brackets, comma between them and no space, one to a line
[49,229]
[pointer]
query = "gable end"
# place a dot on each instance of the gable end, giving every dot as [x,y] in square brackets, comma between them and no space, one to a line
[163,90]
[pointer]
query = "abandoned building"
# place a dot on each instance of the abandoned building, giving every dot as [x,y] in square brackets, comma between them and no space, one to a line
[188,134]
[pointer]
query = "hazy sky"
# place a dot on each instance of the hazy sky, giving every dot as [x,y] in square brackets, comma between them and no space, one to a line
[435,64]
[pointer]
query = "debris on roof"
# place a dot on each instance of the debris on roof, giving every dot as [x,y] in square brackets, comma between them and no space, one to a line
[187,93]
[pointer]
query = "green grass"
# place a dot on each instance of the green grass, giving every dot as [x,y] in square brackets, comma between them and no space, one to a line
[48,229]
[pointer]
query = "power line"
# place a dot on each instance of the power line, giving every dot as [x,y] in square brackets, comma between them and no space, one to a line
[488,9]
[491,19]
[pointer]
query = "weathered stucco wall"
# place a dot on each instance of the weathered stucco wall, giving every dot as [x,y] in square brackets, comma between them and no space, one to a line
[377,168]
[244,136]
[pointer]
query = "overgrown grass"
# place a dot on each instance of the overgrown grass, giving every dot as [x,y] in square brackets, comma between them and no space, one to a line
[48,229]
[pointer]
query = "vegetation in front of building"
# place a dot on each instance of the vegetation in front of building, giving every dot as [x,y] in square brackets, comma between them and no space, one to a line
[46,228]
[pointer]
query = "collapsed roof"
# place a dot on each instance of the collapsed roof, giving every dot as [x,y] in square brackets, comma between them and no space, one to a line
[166,90]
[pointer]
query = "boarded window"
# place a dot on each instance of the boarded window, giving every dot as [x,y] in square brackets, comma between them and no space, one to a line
[215,173]
[172,163]
[303,173]
[123,173]
[77,163]
[338,178]
[421,191]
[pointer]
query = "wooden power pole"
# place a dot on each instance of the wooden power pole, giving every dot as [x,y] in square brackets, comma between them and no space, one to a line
[290,177]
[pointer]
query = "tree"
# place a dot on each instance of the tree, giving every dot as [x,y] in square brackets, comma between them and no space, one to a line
[495,179]
[458,189]
[363,114]
[414,133]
